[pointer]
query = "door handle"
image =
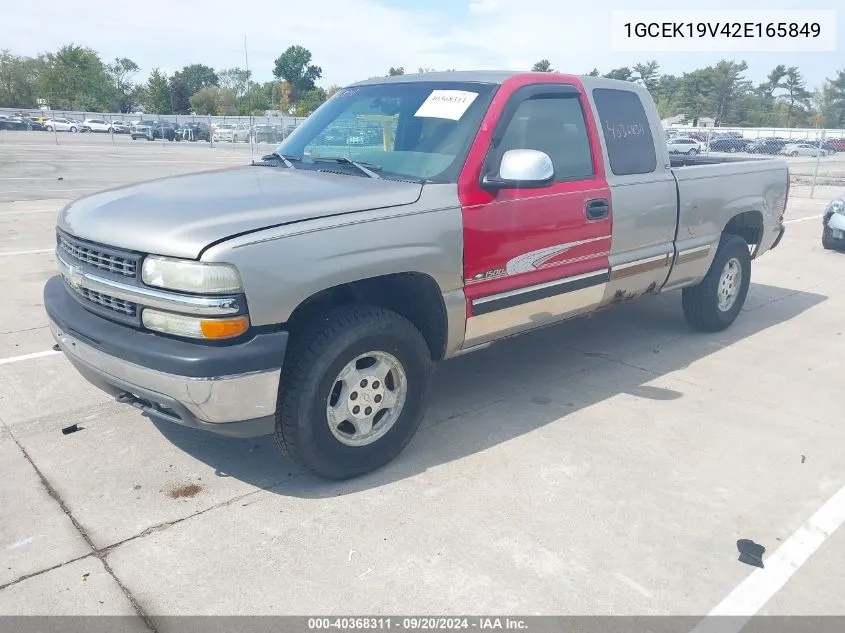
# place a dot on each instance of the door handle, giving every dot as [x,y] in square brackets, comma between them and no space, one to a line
[597,209]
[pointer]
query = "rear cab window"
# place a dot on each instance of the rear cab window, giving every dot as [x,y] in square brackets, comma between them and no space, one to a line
[626,130]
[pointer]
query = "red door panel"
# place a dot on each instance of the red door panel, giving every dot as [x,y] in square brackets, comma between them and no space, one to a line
[518,238]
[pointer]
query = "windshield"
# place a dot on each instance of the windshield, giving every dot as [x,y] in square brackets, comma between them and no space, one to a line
[421,130]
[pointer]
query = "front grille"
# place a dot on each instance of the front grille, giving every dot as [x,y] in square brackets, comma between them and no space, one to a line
[120,306]
[98,258]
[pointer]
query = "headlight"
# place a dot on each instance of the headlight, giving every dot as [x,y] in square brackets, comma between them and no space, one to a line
[194,327]
[190,276]
[835,206]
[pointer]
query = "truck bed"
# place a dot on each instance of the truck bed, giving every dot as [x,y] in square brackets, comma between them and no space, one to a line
[692,161]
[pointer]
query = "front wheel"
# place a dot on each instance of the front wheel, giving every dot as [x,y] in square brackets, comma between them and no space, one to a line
[692,152]
[73,129]
[352,392]
[715,303]
[829,242]
[49,128]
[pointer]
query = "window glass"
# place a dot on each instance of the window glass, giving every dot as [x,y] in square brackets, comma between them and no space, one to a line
[553,124]
[416,129]
[627,134]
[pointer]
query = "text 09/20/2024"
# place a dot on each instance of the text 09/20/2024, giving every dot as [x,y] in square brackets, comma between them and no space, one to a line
[728,31]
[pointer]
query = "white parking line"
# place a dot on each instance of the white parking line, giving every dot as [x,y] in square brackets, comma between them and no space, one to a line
[32,252]
[29,211]
[757,589]
[809,217]
[17,359]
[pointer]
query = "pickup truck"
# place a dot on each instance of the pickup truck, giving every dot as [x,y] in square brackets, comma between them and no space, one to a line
[308,294]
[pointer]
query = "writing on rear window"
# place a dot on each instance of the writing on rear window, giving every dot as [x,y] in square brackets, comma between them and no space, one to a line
[627,135]
[624,130]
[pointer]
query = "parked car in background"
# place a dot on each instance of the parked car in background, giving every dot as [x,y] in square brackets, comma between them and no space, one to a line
[833,145]
[803,149]
[96,125]
[165,129]
[195,131]
[62,125]
[224,132]
[143,129]
[730,144]
[767,146]
[266,133]
[683,145]
[833,224]
[19,123]
[120,127]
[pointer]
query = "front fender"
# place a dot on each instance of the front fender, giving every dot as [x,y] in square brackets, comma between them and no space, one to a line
[283,266]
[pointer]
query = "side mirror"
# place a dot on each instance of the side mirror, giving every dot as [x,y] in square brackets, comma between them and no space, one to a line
[522,169]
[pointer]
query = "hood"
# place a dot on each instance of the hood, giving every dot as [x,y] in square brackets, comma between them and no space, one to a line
[181,215]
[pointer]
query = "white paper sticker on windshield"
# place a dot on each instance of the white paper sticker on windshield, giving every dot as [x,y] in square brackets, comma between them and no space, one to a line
[446,104]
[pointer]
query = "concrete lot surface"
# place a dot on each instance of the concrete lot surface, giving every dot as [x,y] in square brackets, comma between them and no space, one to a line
[605,466]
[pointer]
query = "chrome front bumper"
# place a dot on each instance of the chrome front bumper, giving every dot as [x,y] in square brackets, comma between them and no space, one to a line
[241,405]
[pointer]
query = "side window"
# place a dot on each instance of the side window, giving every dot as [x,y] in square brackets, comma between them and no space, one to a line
[627,134]
[553,124]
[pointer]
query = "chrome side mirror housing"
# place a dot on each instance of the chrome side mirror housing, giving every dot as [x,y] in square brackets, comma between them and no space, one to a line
[522,169]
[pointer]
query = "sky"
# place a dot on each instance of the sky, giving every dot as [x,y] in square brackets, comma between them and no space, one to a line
[356,39]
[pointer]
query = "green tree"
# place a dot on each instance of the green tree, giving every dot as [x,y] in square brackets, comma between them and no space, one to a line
[295,67]
[309,101]
[624,73]
[331,90]
[122,70]
[258,99]
[727,86]
[197,76]
[206,100]
[156,99]
[74,78]
[835,96]
[180,95]
[594,73]
[235,79]
[647,74]
[796,93]
[543,66]
[392,72]
[18,80]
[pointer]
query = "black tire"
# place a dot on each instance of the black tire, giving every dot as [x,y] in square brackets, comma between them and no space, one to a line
[692,152]
[701,303]
[828,241]
[73,128]
[311,366]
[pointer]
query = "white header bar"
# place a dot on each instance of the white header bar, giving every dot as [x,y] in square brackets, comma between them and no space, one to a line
[771,30]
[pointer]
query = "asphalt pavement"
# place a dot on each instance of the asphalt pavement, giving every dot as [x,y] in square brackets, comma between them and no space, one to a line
[613,465]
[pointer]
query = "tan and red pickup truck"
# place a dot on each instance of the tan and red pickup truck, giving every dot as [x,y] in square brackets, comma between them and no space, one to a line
[408,220]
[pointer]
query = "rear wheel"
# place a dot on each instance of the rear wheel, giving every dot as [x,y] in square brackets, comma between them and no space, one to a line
[715,303]
[692,152]
[352,392]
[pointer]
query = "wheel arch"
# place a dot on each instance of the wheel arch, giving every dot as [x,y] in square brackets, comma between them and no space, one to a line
[414,295]
[749,225]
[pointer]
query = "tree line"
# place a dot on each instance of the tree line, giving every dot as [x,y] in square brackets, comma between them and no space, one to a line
[723,93]
[76,78]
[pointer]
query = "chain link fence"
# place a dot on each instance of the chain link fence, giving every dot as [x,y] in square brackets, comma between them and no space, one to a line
[816,157]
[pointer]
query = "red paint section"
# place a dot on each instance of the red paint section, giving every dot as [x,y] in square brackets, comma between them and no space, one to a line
[502,225]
